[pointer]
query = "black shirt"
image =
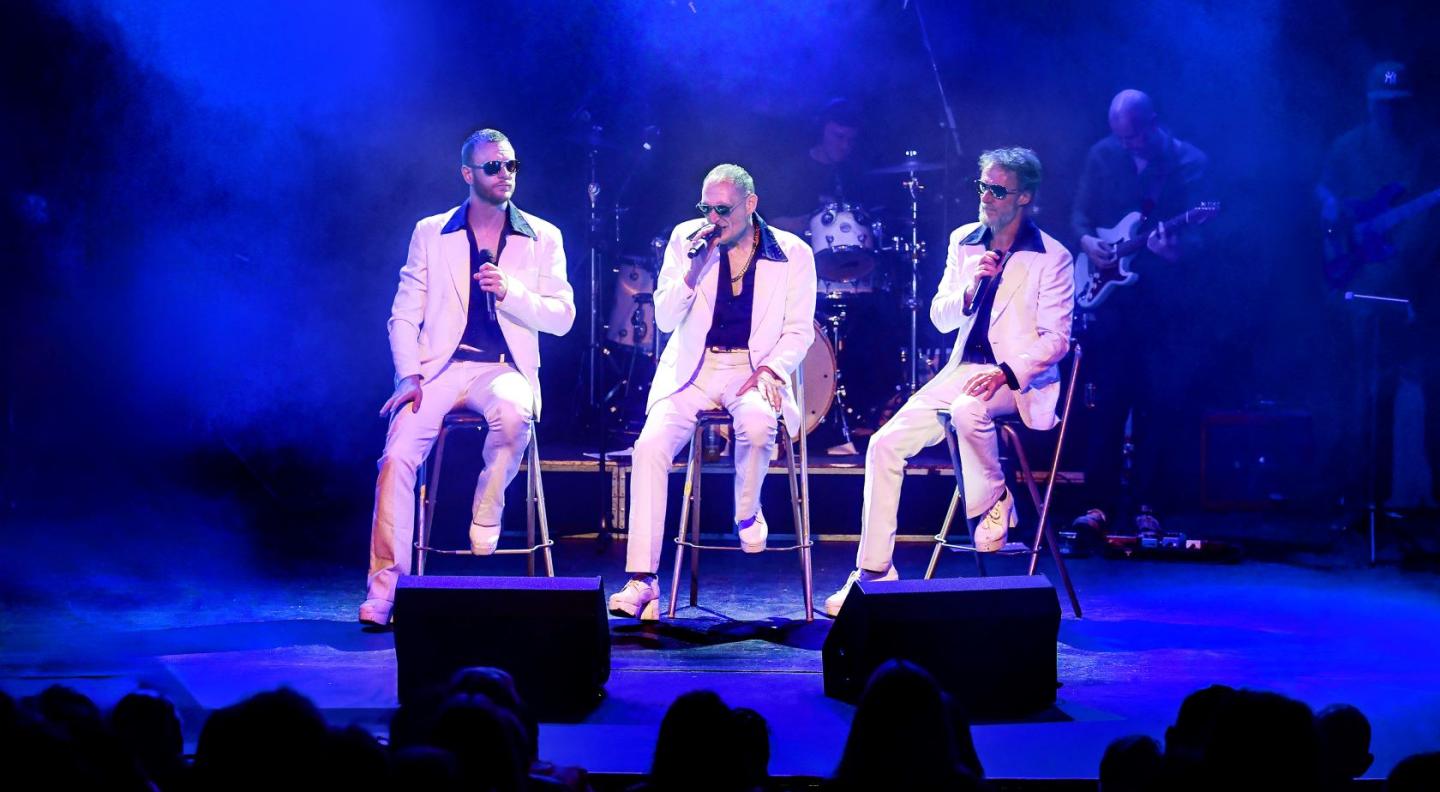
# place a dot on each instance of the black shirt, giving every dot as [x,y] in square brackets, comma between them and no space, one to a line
[730,325]
[483,339]
[977,347]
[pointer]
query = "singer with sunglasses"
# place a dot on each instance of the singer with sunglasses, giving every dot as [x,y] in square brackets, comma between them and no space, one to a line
[1009,291]
[480,284]
[738,297]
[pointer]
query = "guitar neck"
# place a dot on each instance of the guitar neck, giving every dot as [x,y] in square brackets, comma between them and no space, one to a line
[1131,246]
[1390,218]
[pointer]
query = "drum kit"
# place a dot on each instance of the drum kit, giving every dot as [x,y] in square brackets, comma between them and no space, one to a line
[861,365]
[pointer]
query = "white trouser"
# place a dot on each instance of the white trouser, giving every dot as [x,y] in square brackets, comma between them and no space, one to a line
[670,425]
[495,390]
[917,426]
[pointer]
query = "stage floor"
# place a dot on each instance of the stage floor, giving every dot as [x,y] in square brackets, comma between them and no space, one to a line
[1324,631]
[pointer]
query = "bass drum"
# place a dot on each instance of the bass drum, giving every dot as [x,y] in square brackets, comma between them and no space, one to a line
[819,368]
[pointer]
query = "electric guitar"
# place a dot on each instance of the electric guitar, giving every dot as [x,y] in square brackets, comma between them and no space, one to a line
[1094,285]
[1360,237]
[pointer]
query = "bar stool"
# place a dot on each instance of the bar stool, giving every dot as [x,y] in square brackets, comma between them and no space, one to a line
[690,509]
[534,498]
[1008,427]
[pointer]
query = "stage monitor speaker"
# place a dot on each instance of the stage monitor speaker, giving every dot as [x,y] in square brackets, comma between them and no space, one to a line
[988,641]
[551,634]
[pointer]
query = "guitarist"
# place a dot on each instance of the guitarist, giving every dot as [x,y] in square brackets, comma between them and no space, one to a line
[1140,167]
[1390,159]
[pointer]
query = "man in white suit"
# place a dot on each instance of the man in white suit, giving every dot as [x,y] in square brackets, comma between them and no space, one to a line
[481,282]
[741,310]
[1009,289]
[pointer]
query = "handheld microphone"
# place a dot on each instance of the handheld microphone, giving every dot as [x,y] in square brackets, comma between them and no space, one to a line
[982,288]
[486,257]
[701,238]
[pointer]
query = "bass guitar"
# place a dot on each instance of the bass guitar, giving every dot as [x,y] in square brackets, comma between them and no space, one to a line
[1360,237]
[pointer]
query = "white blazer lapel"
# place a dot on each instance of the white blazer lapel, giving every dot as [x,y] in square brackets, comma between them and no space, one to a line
[1016,271]
[769,285]
[455,255]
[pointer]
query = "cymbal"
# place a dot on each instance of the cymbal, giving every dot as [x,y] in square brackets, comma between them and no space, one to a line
[909,166]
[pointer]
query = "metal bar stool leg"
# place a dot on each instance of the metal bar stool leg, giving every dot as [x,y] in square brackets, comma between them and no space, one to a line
[699,465]
[1012,438]
[690,465]
[944,534]
[1045,527]
[953,444]
[530,471]
[797,512]
[539,504]
[431,495]
[422,510]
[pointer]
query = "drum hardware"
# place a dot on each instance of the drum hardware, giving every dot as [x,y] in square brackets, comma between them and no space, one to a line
[914,249]
[910,165]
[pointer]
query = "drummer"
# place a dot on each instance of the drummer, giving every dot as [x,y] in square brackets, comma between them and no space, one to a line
[826,173]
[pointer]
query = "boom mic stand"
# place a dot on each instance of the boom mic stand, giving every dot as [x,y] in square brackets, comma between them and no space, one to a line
[1372,386]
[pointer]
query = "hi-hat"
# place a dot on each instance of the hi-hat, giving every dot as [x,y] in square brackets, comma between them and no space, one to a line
[910,166]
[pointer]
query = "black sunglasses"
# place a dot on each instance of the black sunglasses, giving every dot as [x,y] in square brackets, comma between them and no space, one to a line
[493,166]
[999,191]
[719,209]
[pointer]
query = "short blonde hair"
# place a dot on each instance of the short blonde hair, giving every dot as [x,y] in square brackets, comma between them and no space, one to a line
[734,174]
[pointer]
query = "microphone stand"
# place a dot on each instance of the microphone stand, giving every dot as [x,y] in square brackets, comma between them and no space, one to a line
[1371,409]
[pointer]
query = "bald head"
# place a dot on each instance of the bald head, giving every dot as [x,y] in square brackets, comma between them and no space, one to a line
[1132,119]
[1132,103]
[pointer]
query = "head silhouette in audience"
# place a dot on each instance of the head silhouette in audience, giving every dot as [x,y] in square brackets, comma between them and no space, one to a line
[1344,734]
[147,726]
[698,746]
[752,736]
[901,736]
[499,687]
[268,737]
[1418,773]
[1262,741]
[488,742]
[1131,764]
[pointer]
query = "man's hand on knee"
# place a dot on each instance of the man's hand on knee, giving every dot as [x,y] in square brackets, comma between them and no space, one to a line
[407,390]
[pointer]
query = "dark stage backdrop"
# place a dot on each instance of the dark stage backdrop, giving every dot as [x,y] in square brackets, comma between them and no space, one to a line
[206,205]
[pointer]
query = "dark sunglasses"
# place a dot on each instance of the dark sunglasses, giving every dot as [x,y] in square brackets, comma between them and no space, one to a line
[719,209]
[999,191]
[493,166]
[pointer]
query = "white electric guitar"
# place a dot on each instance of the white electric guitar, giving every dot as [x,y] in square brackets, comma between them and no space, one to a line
[1093,285]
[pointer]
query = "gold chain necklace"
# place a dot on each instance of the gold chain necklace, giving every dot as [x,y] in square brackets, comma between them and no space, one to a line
[735,279]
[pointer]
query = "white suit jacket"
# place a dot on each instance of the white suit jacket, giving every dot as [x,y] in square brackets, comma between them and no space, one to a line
[782,321]
[1029,320]
[427,318]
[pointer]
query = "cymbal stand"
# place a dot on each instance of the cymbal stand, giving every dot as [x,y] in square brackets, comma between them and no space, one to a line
[835,321]
[595,353]
[915,251]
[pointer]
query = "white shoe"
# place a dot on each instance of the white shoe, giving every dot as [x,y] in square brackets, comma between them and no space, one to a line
[376,612]
[835,601]
[484,539]
[639,597]
[753,536]
[990,534]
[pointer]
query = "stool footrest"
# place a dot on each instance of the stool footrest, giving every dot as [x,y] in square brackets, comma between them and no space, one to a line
[786,549]
[502,551]
[1010,548]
